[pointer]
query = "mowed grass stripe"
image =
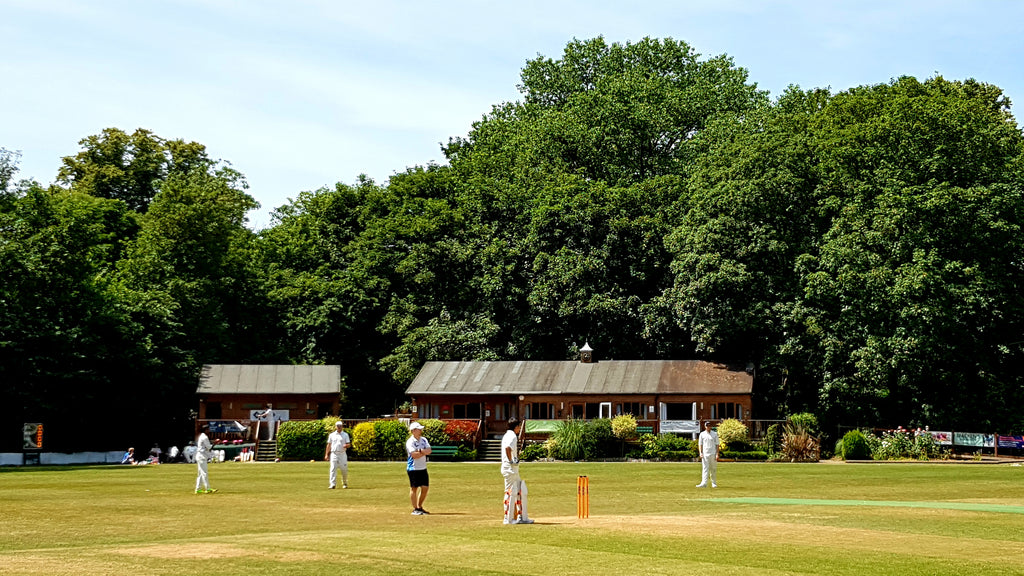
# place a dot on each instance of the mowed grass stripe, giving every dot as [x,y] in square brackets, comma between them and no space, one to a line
[968,506]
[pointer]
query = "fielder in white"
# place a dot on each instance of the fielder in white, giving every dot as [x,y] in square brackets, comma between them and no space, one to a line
[204,450]
[337,445]
[707,449]
[515,488]
[270,420]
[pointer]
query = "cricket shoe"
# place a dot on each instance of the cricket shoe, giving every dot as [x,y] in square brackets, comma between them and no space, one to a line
[526,521]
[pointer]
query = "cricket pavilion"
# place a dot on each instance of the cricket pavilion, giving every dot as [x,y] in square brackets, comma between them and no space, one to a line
[663,395]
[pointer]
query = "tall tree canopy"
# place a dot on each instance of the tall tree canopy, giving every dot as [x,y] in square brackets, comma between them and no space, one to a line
[130,167]
[862,249]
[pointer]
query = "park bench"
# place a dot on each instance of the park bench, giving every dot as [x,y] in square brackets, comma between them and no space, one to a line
[443,450]
[645,429]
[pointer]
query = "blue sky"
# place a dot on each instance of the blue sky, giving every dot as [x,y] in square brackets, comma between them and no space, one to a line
[301,94]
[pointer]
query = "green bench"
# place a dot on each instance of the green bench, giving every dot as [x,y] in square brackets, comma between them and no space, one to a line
[645,429]
[443,450]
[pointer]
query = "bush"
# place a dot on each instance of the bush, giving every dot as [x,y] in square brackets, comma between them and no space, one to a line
[390,439]
[435,431]
[798,445]
[804,421]
[304,439]
[364,441]
[732,432]
[855,446]
[900,444]
[677,455]
[773,439]
[745,454]
[465,453]
[461,432]
[599,440]
[667,447]
[569,440]
[532,452]
[925,447]
[624,427]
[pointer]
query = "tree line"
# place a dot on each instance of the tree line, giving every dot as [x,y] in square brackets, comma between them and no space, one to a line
[861,250]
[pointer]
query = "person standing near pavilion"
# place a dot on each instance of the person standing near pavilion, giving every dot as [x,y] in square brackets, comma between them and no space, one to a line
[204,450]
[515,488]
[707,449]
[337,445]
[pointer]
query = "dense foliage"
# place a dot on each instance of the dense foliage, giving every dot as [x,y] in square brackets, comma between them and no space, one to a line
[855,446]
[863,250]
[304,439]
[667,447]
[733,435]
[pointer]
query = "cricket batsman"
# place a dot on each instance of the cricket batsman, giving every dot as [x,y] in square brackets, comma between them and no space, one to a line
[515,488]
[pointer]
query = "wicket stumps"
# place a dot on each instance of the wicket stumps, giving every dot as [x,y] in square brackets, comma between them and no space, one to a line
[583,497]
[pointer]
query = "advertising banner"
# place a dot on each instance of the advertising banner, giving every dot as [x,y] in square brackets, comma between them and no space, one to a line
[973,439]
[1011,442]
[541,426]
[680,426]
[942,438]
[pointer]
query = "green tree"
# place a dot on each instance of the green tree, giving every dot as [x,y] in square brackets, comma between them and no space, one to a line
[913,295]
[8,168]
[62,329]
[186,282]
[129,167]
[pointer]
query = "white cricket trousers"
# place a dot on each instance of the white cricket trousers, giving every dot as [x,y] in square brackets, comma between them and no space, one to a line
[515,497]
[708,469]
[203,479]
[339,461]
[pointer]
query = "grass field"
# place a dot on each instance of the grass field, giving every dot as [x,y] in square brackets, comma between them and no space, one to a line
[645,518]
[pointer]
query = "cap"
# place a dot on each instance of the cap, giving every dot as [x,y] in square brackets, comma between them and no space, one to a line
[339,423]
[707,422]
[415,426]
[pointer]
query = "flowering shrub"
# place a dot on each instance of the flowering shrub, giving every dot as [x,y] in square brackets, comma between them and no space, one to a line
[733,434]
[624,427]
[461,432]
[364,441]
[667,447]
[901,443]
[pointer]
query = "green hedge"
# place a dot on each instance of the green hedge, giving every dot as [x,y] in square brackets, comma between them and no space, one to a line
[304,439]
[667,447]
[748,455]
[390,439]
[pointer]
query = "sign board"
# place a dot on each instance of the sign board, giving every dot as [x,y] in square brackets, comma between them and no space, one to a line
[974,439]
[279,415]
[33,436]
[1011,442]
